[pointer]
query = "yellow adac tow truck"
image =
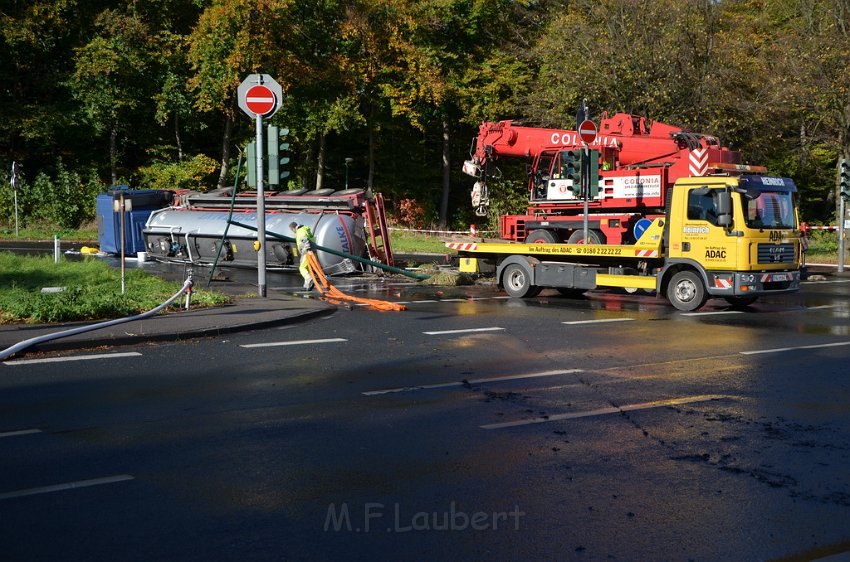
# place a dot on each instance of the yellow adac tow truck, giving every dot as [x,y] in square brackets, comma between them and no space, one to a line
[731,237]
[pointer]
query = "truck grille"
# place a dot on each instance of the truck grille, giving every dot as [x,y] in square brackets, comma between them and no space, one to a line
[776,253]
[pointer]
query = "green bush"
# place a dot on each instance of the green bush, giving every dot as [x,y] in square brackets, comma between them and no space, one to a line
[194,174]
[507,197]
[64,200]
[822,242]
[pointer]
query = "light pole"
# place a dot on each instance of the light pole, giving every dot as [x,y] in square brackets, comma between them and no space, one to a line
[347,162]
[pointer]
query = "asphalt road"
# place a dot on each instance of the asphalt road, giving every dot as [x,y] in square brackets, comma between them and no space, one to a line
[469,427]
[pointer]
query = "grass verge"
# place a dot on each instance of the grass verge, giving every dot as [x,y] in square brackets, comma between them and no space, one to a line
[412,242]
[85,234]
[92,291]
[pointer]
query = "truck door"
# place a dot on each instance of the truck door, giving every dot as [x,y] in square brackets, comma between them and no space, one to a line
[541,174]
[702,239]
[560,188]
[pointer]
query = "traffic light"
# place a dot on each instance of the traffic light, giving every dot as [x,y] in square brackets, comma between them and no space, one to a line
[572,168]
[277,157]
[592,170]
[844,178]
[251,164]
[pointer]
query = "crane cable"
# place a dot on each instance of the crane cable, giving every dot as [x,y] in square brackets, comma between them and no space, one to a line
[334,295]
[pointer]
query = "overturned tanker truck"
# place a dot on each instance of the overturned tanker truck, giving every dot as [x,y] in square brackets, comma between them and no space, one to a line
[206,227]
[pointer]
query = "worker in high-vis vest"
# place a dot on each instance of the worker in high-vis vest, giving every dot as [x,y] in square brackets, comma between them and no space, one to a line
[304,243]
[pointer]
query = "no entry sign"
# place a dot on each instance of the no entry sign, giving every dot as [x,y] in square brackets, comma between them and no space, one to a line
[259,95]
[260,100]
[587,131]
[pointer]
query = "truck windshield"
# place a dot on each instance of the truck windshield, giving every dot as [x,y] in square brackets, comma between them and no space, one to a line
[771,209]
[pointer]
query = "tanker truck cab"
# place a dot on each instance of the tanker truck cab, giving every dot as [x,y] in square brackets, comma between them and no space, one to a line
[731,237]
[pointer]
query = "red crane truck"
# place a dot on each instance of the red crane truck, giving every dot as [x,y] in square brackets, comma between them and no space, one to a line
[639,161]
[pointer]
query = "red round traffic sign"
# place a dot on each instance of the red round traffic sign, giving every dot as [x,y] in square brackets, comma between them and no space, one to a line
[260,99]
[587,131]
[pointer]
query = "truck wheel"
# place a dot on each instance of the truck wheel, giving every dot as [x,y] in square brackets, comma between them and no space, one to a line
[593,237]
[741,301]
[686,291]
[516,282]
[541,236]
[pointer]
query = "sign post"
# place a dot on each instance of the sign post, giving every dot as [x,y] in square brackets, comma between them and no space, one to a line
[259,96]
[14,181]
[123,206]
[587,132]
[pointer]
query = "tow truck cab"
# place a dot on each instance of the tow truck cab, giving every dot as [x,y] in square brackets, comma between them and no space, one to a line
[740,234]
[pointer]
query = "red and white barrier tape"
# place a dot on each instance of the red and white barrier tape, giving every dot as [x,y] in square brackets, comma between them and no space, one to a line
[470,232]
[821,228]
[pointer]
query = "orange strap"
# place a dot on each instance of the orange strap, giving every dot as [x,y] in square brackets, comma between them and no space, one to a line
[335,296]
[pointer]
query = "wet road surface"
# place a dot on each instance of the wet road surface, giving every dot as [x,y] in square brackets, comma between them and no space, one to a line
[472,426]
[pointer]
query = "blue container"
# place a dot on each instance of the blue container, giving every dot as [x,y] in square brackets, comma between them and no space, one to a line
[143,201]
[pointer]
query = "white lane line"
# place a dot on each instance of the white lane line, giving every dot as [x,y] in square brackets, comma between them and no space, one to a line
[300,342]
[779,349]
[600,321]
[66,486]
[824,307]
[72,358]
[607,411]
[493,329]
[20,432]
[475,381]
[718,313]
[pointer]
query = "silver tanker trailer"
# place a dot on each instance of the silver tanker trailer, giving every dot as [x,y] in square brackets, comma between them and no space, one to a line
[194,231]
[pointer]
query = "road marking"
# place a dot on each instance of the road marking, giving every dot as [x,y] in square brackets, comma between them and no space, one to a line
[607,411]
[493,329]
[779,349]
[475,381]
[301,342]
[66,486]
[718,313]
[20,432]
[600,321]
[72,358]
[824,307]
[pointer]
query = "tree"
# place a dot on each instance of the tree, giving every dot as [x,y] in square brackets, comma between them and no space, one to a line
[38,117]
[110,75]
[812,83]
[440,44]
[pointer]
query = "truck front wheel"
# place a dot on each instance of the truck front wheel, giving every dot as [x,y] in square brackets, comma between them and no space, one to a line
[686,291]
[517,282]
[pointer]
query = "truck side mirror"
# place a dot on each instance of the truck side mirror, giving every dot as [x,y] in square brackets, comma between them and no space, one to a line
[723,205]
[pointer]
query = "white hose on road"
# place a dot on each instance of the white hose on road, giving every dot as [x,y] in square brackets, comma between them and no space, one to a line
[6,353]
